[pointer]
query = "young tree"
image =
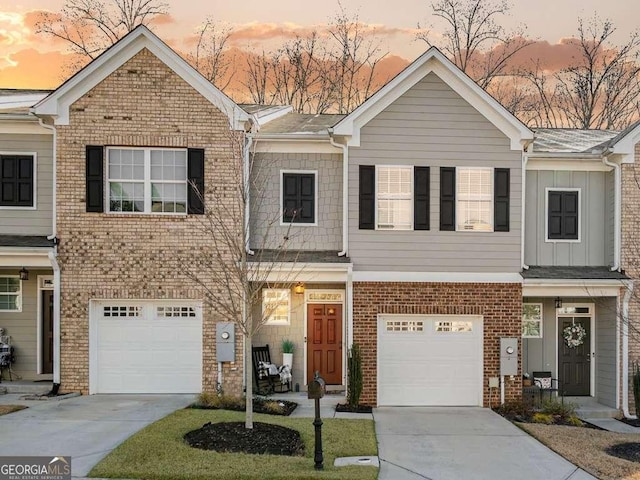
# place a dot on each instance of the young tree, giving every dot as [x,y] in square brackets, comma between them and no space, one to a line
[89,27]
[601,87]
[230,275]
[474,39]
[211,56]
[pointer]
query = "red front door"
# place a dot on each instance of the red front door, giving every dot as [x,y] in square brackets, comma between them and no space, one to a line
[324,342]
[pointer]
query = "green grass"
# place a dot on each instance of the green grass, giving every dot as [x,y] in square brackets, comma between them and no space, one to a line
[6,409]
[159,451]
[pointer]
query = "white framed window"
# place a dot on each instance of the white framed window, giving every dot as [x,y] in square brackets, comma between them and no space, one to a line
[562,213]
[453,326]
[299,197]
[18,185]
[532,320]
[276,306]
[396,325]
[10,294]
[122,311]
[474,199]
[394,198]
[147,180]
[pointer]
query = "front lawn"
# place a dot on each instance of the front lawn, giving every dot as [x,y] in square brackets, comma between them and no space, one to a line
[5,409]
[159,451]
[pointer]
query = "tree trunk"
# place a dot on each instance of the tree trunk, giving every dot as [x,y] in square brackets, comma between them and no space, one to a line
[248,380]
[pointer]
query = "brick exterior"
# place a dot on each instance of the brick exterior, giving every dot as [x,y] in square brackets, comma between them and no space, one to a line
[499,304]
[631,256]
[104,256]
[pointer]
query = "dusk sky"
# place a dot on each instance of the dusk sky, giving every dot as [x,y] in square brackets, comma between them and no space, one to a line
[31,61]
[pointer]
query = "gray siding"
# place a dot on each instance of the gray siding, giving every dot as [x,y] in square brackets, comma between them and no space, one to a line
[38,221]
[609,224]
[431,125]
[23,327]
[266,231]
[596,230]
[539,354]
[606,351]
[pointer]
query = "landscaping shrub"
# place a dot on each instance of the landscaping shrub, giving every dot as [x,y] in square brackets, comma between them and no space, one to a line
[273,407]
[213,400]
[540,417]
[575,422]
[354,379]
[562,411]
[515,410]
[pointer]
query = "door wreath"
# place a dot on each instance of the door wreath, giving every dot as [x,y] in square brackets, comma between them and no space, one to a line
[574,335]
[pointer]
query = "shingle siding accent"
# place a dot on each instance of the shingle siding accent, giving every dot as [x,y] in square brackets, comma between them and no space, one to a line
[500,304]
[117,256]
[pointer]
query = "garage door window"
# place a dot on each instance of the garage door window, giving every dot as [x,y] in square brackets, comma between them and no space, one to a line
[176,311]
[122,311]
[404,326]
[454,326]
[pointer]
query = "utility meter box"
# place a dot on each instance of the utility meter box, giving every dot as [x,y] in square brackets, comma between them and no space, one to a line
[225,342]
[508,356]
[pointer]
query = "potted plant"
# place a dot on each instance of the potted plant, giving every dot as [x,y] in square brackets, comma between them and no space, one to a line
[287,352]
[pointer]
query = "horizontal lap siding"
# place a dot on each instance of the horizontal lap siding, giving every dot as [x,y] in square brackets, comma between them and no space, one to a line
[595,213]
[431,125]
[25,221]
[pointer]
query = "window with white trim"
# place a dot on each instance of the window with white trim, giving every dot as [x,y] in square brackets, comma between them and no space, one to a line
[453,326]
[147,180]
[122,311]
[17,180]
[532,320]
[10,294]
[394,198]
[474,199]
[275,306]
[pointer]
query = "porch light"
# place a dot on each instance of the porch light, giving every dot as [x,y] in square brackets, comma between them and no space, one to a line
[24,274]
[558,302]
[299,288]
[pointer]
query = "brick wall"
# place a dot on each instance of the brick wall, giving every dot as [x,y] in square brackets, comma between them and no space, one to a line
[630,261]
[499,304]
[138,256]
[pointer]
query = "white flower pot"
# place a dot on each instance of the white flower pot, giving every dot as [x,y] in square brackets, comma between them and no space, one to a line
[287,359]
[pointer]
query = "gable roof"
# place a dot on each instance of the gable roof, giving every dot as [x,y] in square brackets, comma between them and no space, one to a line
[434,61]
[57,104]
[624,143]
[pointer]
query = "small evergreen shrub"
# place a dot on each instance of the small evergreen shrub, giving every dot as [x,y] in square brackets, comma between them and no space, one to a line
[540,417]
[354,380]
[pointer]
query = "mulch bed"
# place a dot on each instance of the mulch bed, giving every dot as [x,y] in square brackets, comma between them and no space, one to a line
[628,451]
[264,438]
[345,407]
[259,406]
[634,422]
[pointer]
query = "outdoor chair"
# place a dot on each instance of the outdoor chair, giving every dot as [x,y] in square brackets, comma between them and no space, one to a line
[269,377]
[546,383]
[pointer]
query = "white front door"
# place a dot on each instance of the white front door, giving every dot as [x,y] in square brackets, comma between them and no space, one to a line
[146,347]
[430,360]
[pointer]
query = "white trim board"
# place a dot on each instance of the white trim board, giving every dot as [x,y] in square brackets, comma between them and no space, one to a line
[573,290]
[453,277]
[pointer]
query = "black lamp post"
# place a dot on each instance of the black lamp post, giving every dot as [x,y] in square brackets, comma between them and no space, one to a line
[315,391]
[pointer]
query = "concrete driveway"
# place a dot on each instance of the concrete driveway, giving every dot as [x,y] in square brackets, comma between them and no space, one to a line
[86,428]
[456,443]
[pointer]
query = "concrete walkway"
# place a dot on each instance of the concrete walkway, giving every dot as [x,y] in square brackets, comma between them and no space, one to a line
[86,428]
[458,443]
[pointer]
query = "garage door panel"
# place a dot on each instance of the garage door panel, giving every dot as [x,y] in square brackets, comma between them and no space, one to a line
[148,352]
[419,365]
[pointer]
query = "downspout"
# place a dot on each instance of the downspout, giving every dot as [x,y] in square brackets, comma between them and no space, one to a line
[247,191]
[617,213]
[625,350]
[53,258]
[525,159]
[345,193]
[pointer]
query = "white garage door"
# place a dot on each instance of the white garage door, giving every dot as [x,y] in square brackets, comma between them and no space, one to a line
[146,347]
[430,360]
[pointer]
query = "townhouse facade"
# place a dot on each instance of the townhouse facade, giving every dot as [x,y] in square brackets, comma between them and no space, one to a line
[427,226]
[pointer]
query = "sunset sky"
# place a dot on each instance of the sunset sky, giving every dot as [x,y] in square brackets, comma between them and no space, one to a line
[28,60]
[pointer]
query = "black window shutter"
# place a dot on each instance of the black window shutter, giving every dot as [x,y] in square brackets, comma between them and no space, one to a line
[447,198]
[563,213]
[16,181]
[298,197]
[421,198]
[195,177]
[94,178]
[501,191]
[367,193]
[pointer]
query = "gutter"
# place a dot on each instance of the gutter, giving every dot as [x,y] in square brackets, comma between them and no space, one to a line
[247,192]
[525,159]
[625,351]
[345,193]
[56,317]
[617,212]
[55,182]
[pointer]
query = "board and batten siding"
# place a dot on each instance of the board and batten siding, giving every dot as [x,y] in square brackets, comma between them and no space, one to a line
[595,247]
[29,221]
[606,351]
[266,231]
[431,125]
